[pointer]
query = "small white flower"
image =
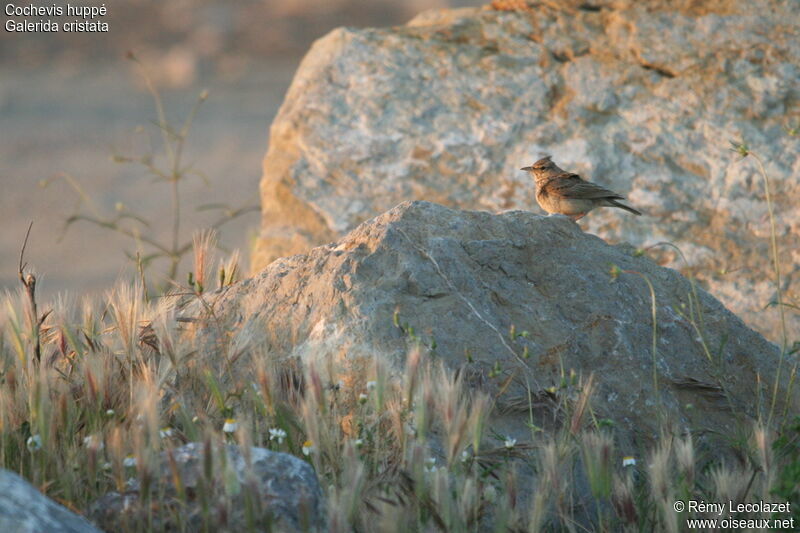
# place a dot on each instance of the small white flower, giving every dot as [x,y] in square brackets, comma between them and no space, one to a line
[464,456]
[129,461]
[110,412]
[106,466]
[430,465]
[359,443]
[34,443]
[510,443]
[628,461]
[362,398]
[277,434]
[166,432]
[230,425]
[94,442]
[308,447]
[371,385]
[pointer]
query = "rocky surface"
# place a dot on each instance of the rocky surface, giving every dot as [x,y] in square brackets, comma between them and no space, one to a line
[287,493]
[642,97]
[23,509]
[463,279]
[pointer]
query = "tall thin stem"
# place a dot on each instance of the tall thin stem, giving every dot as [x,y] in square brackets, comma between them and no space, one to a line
[176,226]
[775,259]
[779,296]
[653,313]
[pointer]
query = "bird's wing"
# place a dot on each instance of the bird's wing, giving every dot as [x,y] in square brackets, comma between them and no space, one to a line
[568,185]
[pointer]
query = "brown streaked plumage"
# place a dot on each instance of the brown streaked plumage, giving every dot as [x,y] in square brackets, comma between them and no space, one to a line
[565,193]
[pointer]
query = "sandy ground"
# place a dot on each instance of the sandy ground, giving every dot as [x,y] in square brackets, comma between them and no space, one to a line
[69,101]
[57,121]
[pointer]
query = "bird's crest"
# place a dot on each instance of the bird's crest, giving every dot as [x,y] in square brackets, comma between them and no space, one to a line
[543,164]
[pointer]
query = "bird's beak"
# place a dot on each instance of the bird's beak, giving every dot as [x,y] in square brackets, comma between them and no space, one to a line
[527,168]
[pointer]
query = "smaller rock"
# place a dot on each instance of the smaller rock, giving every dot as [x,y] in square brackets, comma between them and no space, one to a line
[287,495]
[23,509]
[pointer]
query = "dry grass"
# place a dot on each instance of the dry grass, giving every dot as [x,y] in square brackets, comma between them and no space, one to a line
[92,391]
[120,381]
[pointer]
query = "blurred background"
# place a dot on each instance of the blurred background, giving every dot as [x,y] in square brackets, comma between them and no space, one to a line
[72,104]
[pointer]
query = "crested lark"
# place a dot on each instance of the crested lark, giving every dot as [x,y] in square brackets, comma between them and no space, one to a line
[565,193]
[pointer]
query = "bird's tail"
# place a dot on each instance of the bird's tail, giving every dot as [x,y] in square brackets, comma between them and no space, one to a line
[628,208]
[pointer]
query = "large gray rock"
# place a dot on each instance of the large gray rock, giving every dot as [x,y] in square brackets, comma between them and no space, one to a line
[23,509]
[642,97]
[463,279]
[286,492]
